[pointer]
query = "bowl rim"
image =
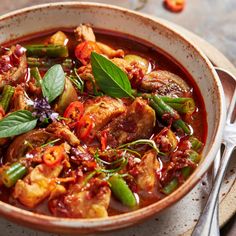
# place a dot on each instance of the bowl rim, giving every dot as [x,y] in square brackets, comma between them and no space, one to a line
[120,221]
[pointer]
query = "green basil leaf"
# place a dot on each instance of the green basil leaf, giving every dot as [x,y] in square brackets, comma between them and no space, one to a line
[16,123]
[53,82]
[110,78]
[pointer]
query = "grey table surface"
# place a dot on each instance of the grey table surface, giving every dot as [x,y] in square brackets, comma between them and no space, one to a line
[213,20]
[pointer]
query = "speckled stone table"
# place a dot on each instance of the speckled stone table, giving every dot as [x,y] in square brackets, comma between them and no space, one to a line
[213,20]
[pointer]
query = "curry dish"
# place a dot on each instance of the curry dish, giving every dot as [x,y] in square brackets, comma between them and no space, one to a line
[94,124]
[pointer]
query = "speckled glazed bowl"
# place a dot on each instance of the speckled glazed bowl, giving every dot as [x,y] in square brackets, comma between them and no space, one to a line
[57,15]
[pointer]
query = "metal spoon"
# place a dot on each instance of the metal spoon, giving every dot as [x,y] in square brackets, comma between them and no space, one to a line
[203,227]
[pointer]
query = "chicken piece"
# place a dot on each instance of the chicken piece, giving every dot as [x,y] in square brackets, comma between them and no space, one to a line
[90,201]
[57,191]
[19,100]
[86,74]
[103,110]
[13,65]
[37,185]
[134,70]
[164,83]
[137,122]
[166,140]
[146,179]
[84,33]
[123,65]
[59,38]
[61,131]
[110,52]
[18,148]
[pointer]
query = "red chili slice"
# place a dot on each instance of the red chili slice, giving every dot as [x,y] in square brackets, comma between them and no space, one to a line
[53,155]
[84,49]
[175,5]
[104,140]
[74,111]
[84,127]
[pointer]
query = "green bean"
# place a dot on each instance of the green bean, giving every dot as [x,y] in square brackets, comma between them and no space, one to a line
[196,144]
[182,105]
[162,108]
[122,191]
[181,125]
[36,74]
[46,63]
[50,50]
[165,108]
[171,186]
[6,96]
[186,171]
[12,174]
[195,158]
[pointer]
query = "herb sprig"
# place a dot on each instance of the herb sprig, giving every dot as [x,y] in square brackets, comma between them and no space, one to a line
[110,78]
[22,121]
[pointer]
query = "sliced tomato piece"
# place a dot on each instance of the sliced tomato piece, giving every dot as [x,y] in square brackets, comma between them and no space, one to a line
[84,127]
[175,5]
[53,155]
[84,49]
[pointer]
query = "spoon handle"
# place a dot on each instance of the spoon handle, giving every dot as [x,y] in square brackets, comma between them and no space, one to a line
[215,230]
[203,226]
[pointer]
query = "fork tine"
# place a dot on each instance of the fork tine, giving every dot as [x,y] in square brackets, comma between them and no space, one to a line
[232,108]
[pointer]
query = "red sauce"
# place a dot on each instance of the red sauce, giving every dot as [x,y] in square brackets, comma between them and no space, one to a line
[158,59]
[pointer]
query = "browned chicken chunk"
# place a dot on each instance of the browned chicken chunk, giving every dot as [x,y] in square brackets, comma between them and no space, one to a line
[19,100]
[147,169]
[137,122]
[25,142]
[103,110]
[37,185]
[84,33]
[90,201]
[165,83]
[110,52]
[61,131]
[13,65]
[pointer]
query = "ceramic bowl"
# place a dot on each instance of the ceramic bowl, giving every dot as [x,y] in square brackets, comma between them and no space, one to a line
[63,15]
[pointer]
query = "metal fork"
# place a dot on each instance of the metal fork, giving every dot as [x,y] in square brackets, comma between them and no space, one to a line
[203,227]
